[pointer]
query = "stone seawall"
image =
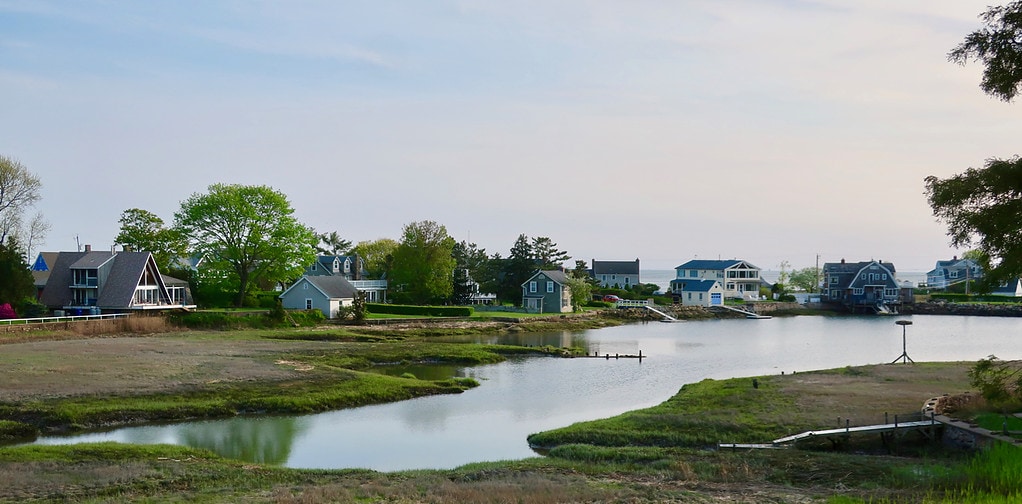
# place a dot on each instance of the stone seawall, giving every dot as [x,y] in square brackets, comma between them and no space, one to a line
[979,309]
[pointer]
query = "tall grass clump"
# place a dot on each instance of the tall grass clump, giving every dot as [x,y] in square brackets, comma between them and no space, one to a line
[996,470]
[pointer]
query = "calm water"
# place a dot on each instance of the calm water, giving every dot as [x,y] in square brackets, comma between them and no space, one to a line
[528,395]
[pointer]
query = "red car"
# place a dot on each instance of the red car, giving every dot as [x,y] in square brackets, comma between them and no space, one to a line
[610,298]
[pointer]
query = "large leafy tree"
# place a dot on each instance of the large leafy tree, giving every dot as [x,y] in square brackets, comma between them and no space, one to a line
[998,44]
[144,231]
[471,266]
[248,231]
[983,206]
[378,256]
[806,279]
[423,268]
[20,190]
[16,283]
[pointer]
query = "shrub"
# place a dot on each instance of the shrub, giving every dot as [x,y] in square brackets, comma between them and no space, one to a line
[7,312]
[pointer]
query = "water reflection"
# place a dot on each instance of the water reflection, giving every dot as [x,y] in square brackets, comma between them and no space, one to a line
[527,395]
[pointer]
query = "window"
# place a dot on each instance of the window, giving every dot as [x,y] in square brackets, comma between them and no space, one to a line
[693,273]
[953,274]
[690,296]
[314,266]
[857,291]
[532,286]
[549,286]
[305,286]
[308,304]
[700,296]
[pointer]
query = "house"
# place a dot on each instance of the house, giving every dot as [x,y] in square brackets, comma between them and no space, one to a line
[351,268]
[866,286]
[1011,288]
[740,279]
[547,292]
[698,292]
[318,292]
[623,274]
[954,271]
[93,282]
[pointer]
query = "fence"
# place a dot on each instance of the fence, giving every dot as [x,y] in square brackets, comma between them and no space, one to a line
[68,318]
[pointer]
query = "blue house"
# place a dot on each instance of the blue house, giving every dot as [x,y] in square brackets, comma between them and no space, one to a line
[547,292]
[866,286]
[698,292]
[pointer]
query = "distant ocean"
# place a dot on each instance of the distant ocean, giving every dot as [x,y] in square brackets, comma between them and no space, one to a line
[663,277]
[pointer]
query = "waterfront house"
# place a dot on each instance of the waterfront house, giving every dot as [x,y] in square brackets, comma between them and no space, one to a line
[866,286]
[620,274]
[327,294]
[698,292]
[41,271]
[740,279]
[546,291]
[1011,288]
[352,269]
[94,282]
[952,272]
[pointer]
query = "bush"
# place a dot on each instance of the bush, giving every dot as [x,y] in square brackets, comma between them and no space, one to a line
[426,311]
[7,312]
[29,308]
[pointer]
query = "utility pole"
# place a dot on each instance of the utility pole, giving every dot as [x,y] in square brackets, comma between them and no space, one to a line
[817,271]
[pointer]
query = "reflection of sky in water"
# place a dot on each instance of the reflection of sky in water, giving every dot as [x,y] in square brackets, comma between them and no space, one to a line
[526,395]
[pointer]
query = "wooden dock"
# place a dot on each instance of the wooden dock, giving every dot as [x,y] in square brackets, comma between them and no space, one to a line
[608,356]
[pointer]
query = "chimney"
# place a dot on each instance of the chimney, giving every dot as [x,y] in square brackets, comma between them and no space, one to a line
[88,248]
[842,260]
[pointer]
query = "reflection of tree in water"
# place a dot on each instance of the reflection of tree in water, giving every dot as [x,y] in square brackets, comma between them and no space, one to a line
[264,440]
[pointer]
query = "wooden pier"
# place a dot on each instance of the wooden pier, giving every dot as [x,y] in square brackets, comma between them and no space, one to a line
[608,356]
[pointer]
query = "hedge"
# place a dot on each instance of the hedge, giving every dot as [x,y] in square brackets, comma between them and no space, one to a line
[426,311]
[967,298]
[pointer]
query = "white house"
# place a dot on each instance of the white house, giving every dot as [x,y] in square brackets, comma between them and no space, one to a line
[740,279]
[324,293]
[698,292]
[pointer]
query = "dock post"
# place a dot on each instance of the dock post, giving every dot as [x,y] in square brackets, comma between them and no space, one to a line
[847,422]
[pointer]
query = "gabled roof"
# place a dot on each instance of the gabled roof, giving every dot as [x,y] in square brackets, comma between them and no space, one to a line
[332,287]
[615,267]
[555,275]
[125,275]
[45,261]
[854,267]
[118,289]
[695,285]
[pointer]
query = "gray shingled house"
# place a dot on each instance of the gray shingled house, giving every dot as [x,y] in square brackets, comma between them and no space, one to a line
[91,282]
[547,292]
[623,274]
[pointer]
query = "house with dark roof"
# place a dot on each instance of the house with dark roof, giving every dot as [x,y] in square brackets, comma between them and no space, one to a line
[327,294]
[697,292]
[740,279]
[351,268]
[951,272]
[547,291]
[865,286]
[92,282]
[623,274]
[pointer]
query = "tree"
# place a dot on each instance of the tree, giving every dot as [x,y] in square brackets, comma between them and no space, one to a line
[16,282]
[423,263]
[806,279]
[19,191]
[144,231]
[545,251]
[999,382]
[471,263]
[248,231]
[332,244]
[378,255]
[515,270]
[581,291]
[983,207]
[999,46]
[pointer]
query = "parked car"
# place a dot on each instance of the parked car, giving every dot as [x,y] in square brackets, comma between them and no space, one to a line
[610,298]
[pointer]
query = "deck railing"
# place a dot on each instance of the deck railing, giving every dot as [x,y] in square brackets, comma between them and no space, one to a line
[68,318]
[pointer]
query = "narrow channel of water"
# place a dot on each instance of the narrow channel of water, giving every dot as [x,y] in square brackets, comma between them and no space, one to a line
[527,395]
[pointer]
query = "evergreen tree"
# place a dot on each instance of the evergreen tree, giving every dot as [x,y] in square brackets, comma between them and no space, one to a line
[16,282]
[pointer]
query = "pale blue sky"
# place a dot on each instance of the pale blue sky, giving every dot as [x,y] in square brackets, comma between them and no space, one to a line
[666,130]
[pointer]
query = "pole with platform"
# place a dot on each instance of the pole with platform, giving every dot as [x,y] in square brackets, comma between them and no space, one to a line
[904,358]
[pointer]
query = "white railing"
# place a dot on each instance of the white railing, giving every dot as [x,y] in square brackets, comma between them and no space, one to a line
[632,303]
[369,284]
[69,318]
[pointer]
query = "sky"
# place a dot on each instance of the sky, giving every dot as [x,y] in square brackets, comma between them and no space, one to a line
[666,130]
